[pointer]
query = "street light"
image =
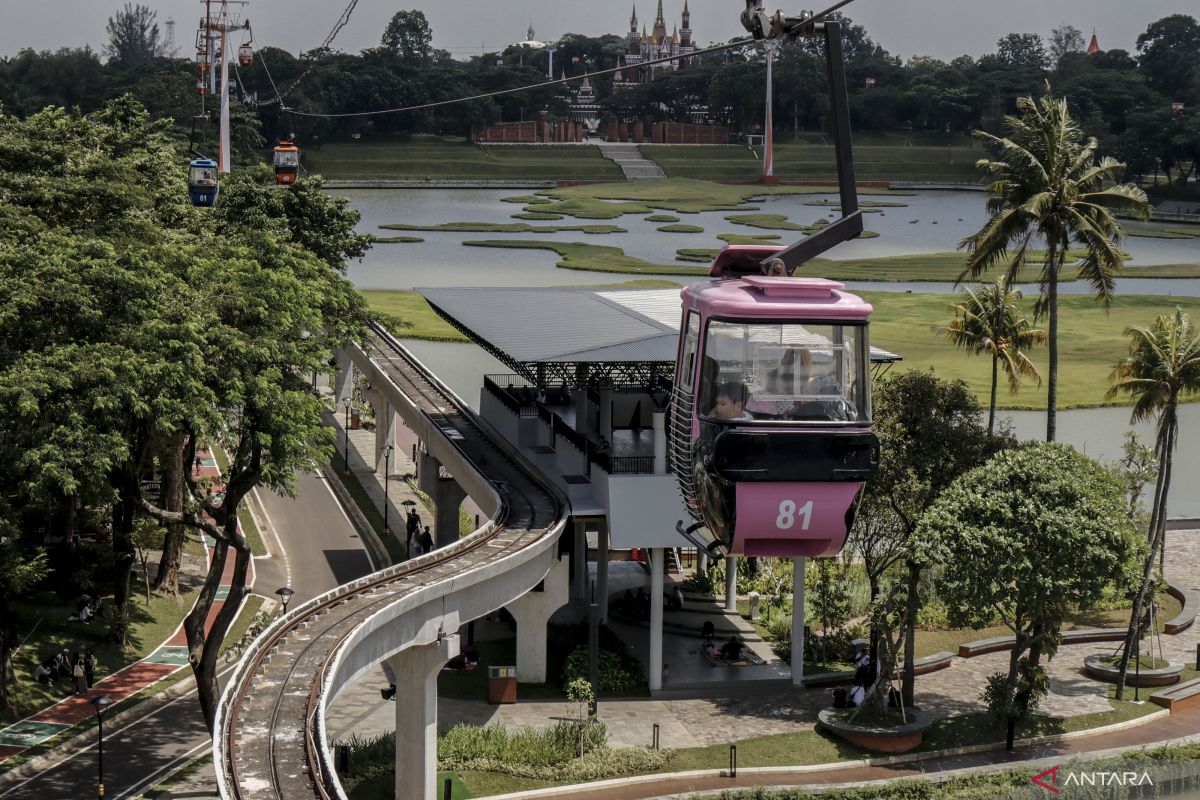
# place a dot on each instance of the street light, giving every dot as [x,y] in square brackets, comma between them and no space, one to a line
[285,595]
[101,703]
[346,450]
[387,464]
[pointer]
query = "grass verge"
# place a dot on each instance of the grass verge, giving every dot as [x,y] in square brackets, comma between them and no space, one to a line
[434,158]
[373,515]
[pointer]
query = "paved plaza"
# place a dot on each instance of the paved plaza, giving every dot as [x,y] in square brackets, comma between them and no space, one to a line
[714,719]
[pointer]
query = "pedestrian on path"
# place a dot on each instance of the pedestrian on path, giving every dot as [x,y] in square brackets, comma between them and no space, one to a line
[80,675]
[89,667]
[426,541]
[411,526]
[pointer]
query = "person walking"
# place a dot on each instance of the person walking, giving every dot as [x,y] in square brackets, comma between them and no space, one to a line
[411,526]
[89,667]
[79,674]
[426,541]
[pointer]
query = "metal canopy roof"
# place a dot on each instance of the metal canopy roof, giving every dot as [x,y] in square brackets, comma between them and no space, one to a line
[622,335]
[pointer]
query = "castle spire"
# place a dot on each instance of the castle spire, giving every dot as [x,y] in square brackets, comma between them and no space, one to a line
[1094,47]
[633,20]
[687,15]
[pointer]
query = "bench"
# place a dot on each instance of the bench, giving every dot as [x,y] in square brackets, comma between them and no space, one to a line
[1000,643]
[1179,697]
[921,666]
[1190,599]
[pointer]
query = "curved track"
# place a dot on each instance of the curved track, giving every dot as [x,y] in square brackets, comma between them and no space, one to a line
[269,740]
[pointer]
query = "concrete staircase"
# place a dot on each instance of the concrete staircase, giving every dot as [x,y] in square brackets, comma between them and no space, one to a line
[629,158]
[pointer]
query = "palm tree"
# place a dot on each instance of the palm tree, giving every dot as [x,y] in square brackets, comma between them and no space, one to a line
[989,321]
[1049,187]
[1163,364]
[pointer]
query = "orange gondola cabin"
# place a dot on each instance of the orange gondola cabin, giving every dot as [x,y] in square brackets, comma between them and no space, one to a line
[287,163]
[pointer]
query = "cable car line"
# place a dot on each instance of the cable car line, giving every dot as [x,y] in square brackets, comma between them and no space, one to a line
[795,29]
[342,21]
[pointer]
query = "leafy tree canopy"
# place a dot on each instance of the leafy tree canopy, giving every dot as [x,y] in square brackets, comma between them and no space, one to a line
[133,36]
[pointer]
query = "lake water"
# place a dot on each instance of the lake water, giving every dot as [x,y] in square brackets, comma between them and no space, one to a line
[932,222]
[441,260]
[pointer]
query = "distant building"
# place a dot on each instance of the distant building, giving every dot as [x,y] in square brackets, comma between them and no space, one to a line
[1094,46]
[584,107]
[658,44]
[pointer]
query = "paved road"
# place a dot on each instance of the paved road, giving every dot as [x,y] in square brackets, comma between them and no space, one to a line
[321,551]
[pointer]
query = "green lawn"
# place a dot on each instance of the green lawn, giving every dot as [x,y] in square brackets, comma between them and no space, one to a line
[431,158]
[590,257]
[1090,344]
[678,195]
[936,641]
[150,625]
[942,160]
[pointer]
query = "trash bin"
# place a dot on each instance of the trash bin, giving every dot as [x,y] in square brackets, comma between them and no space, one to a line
[355,421]
[502,685]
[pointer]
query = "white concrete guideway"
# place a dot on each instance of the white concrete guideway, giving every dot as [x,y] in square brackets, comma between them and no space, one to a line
[270,737]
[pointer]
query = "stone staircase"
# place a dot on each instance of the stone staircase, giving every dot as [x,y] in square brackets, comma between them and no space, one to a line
[629,158]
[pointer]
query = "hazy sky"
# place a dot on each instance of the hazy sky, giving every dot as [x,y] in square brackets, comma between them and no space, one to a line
[940,28]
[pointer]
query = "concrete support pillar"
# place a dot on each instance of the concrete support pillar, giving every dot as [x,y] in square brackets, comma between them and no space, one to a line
[446,501]
[447,496]
[798,621]
[532,611]
[416,670]
[385,427]
[606,404]
[731,583]
[579,563]
[657,562]
[343,376]
[660,442]
[582,406]
[602,570]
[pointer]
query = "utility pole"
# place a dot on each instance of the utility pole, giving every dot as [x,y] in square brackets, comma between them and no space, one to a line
[771,46]
[217,25]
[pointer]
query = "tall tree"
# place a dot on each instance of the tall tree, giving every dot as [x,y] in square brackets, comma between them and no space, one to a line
[1022,50]
[1049,184]
[1064,41]
[1031,535]
[132,36]
[1162,367]
[409,36]
[989,322]
[1169,54]
[930,432]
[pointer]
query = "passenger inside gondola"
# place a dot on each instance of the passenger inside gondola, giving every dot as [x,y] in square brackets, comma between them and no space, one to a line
[731,402]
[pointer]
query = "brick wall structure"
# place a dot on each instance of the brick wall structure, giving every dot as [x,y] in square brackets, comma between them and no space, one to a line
[533,132]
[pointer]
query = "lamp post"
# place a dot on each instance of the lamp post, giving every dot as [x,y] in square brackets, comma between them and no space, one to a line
[387,468]
[285,596]
[346,449]
[101,703]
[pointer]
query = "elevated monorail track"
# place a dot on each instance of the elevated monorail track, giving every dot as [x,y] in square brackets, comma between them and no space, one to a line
[270,739]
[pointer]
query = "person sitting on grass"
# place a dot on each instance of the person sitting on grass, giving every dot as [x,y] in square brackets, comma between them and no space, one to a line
[43,674]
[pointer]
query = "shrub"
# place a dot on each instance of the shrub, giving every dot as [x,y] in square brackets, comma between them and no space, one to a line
[615,673]
[528,747]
